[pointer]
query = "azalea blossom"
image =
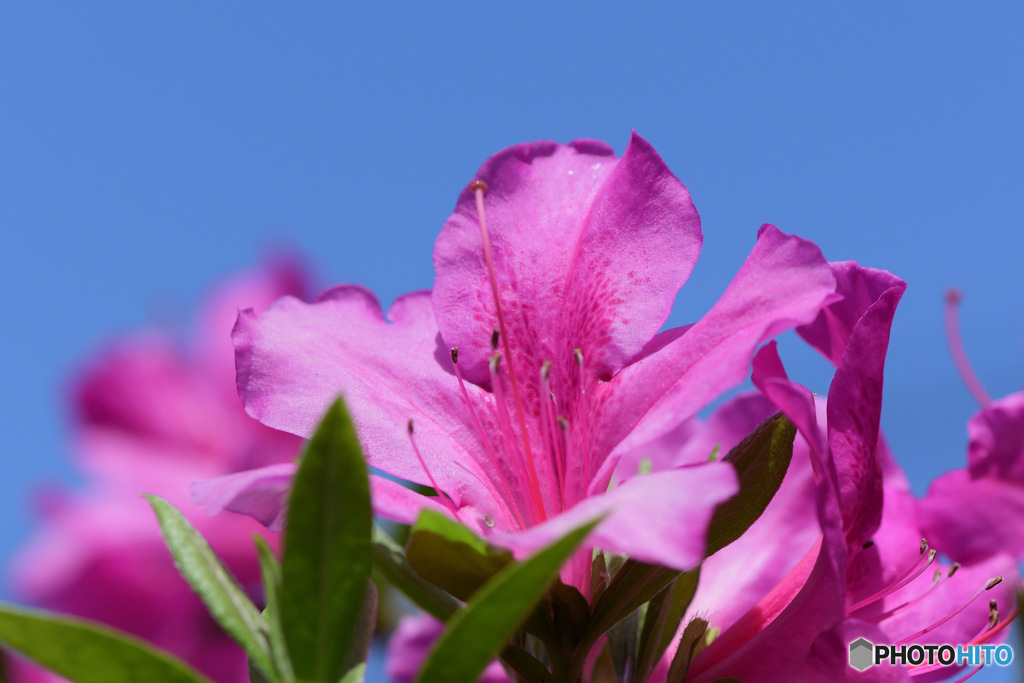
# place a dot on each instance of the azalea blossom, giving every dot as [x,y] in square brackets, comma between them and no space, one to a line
[152,416]
[979,510]
[865,571]
[514,388]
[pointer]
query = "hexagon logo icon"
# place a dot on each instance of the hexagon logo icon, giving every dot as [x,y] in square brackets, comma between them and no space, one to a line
[861,654]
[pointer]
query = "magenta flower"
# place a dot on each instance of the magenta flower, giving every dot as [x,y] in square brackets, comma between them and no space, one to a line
[979,511]
[864,570]
[412,641]
[536,363]
[152,417]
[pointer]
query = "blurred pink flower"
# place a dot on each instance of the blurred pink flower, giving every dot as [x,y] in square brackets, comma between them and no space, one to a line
[153,416]
[979,510]
[518,413]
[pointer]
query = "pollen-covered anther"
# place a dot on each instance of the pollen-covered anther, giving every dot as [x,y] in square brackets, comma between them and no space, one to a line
[993,614]
[545,370]
[993,582]
[455,355]
[953,569]
[478,186]
[924,545]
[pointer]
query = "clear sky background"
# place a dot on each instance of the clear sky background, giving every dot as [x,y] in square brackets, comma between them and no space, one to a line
[148,149]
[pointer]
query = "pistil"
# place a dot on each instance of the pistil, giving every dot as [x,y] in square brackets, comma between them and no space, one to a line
[956,349]
[478,188]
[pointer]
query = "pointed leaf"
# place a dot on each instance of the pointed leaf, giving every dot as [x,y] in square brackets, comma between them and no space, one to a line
[326,561]
[761,461]
[451,556]
[390,560]
[84,652]
[477,634]
[271,571]
[633,585]
[355,675]
[661,622]
[226,601]
[690,646]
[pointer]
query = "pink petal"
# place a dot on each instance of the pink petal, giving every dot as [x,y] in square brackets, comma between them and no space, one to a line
[589,251]
[860,287]
[854,412]
[996,447]
[647,518]
[261,494]
[295,359]
[972,519]
[784,282]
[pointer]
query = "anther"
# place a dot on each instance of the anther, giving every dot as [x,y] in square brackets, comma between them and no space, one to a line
[495,338]
[455,355]
[489,521]
[445,500]
[478,185]
[924,545]
[995,581]
[545,370]
[993,614]
[867,544]
[563,423]
[578,355]
[953,569]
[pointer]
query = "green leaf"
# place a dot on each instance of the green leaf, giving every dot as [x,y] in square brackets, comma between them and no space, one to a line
[528,667]
[477,634]
[390,560]
[690,645]
[451,556]
[326,561]
[661,622]
[761,461]
[355,675]
[84,652]
[633,585]
[226,601]
[271,571]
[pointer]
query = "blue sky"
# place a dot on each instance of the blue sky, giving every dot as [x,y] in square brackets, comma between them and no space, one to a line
[148,149]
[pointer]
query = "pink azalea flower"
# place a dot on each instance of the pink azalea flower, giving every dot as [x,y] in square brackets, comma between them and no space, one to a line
[979,510]
[864,571]
[412,641]
[536,362]
[152,417]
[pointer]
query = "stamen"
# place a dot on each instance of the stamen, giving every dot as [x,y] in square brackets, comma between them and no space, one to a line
[479,187]
[937,579]
[953,569]
[487,443]
[956,349]
[549,432]
[448,503]
[912,573]
[584,411]
[511,442]
[991,584]
[867,544]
